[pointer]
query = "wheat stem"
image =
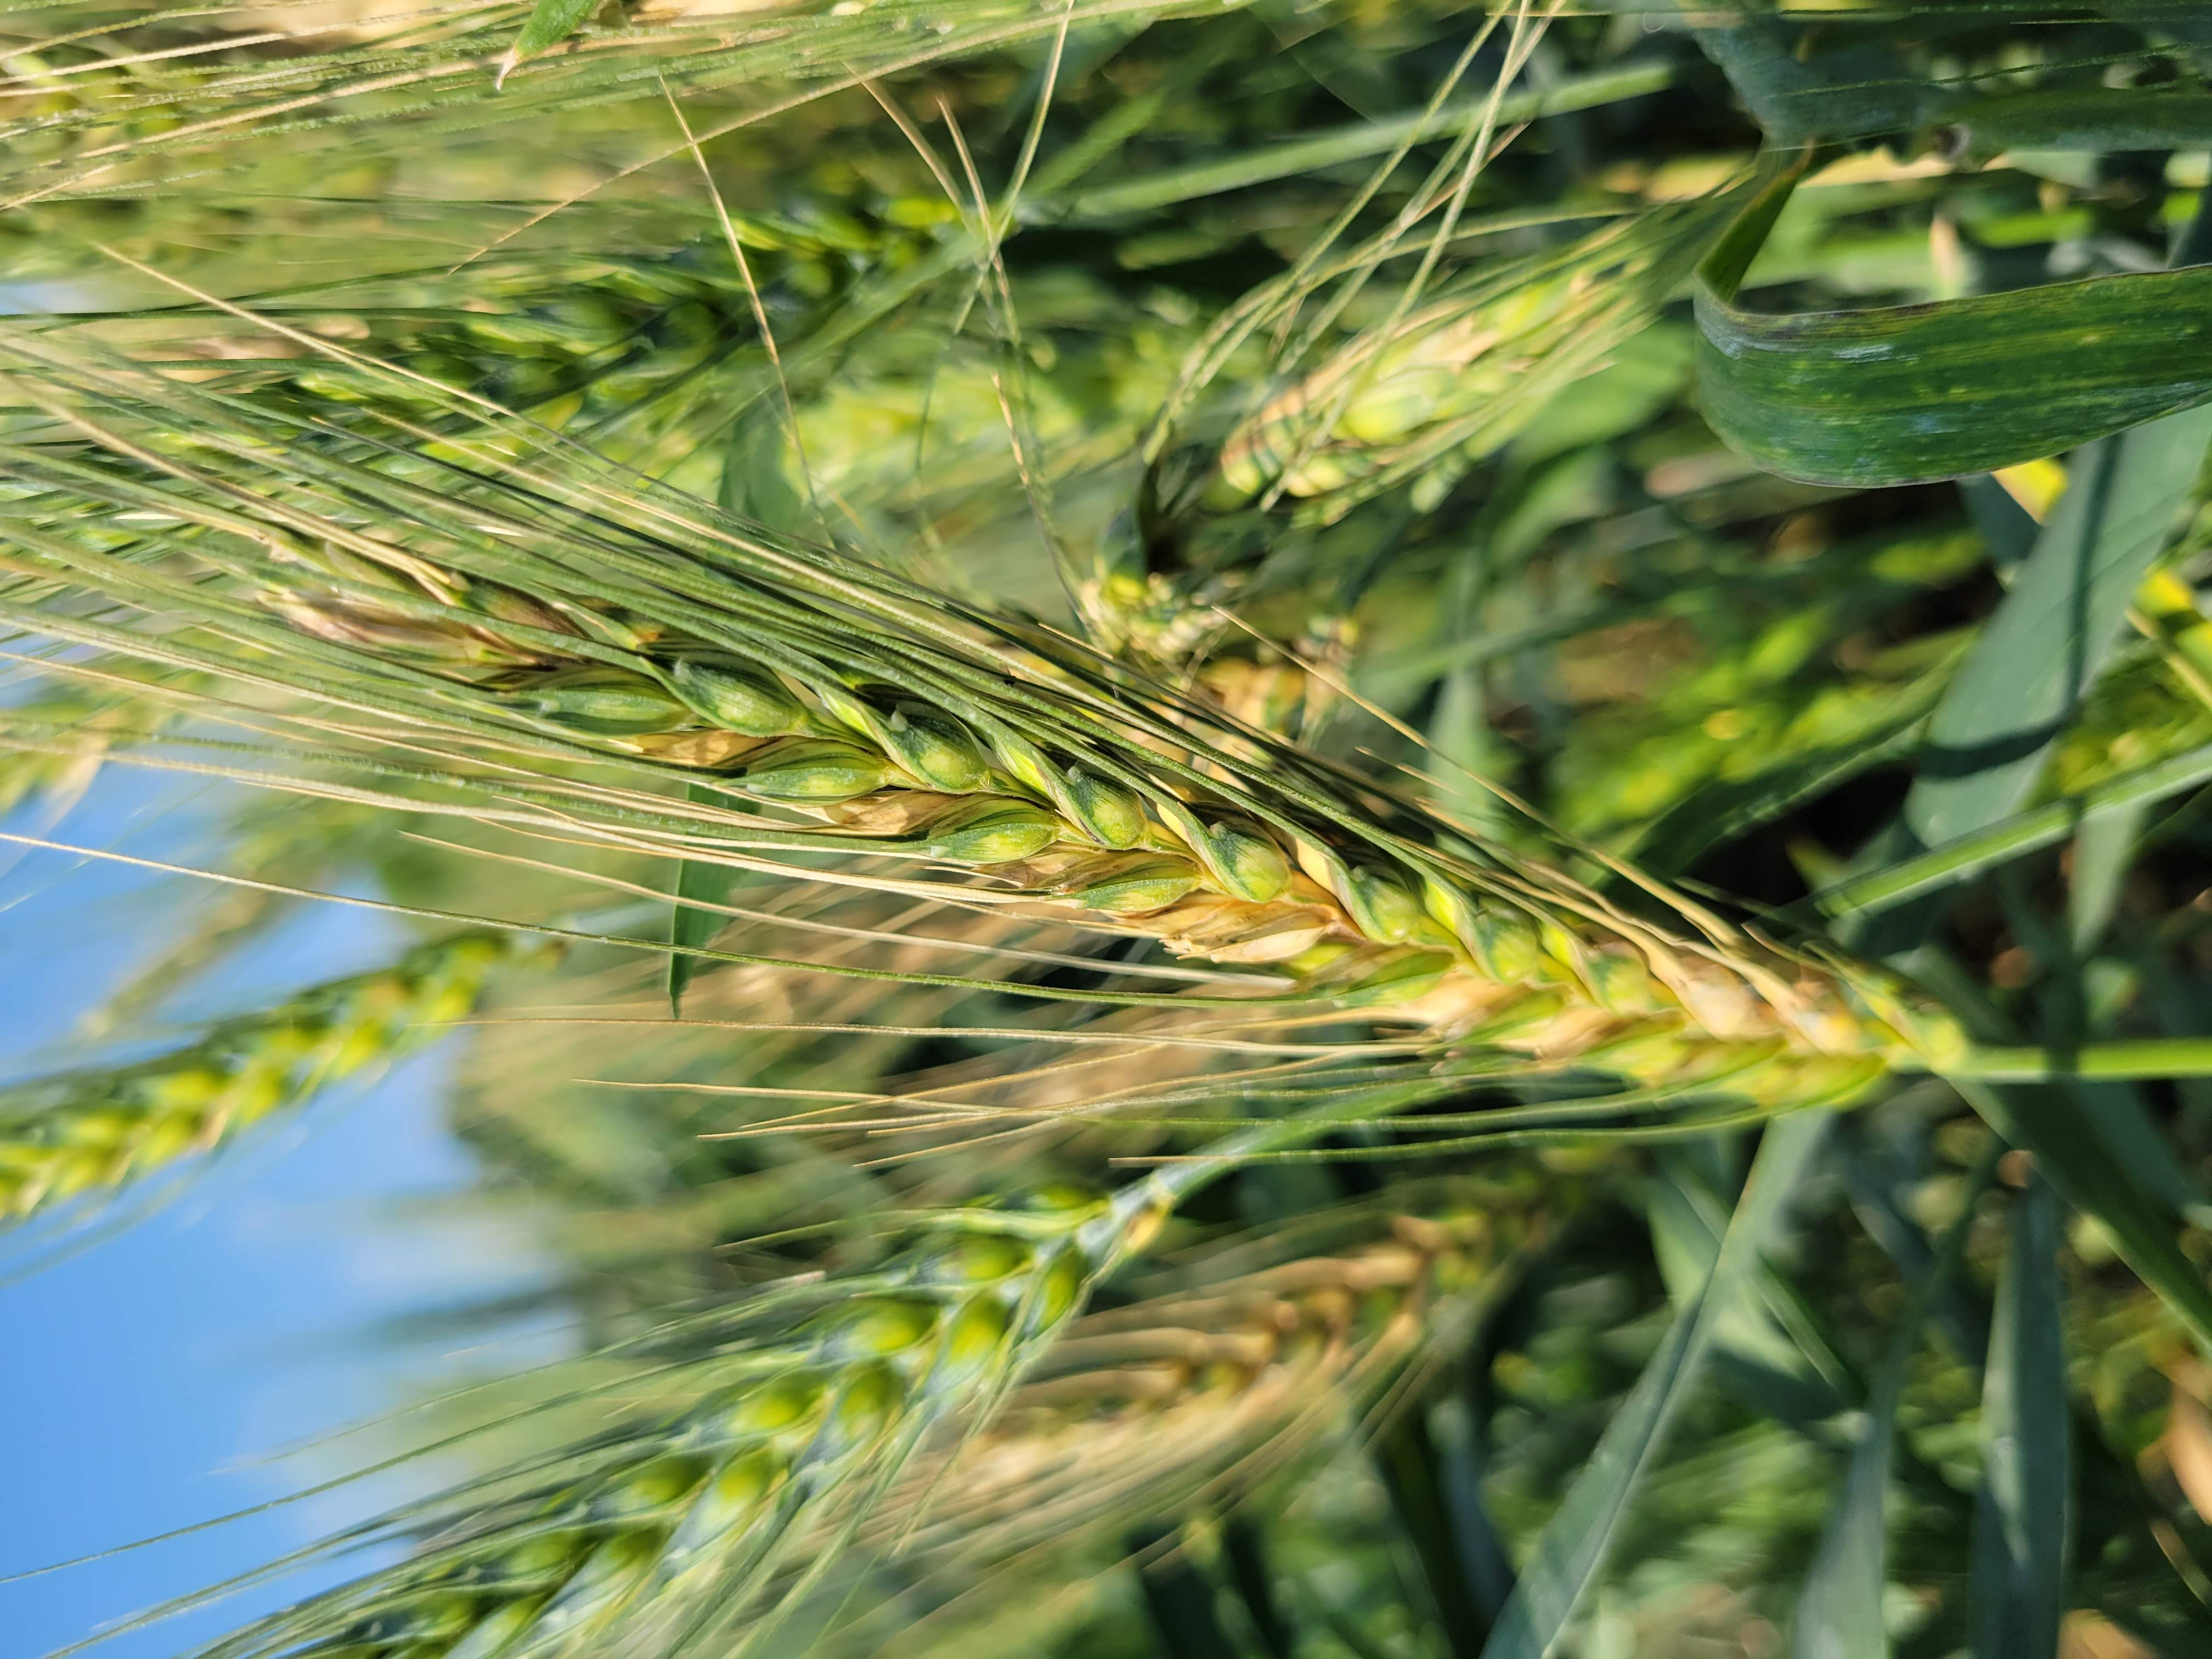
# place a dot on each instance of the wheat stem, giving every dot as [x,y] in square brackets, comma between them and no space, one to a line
[2140,1057]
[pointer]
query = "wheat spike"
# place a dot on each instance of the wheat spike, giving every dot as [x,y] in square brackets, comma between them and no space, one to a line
[64,1137]
[1210,1390]
[800,684]
[665,1536]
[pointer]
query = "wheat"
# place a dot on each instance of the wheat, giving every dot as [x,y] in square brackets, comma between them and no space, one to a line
[1462,373]
[567,649]
[1402,408]
[382,558]
[902,774]
[1213,1389]
[644,357]
[112,121]
[699,1530]
[807,684]
[65,1137]
[667,1534]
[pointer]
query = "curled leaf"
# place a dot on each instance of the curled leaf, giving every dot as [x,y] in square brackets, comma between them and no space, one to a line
[1908,394]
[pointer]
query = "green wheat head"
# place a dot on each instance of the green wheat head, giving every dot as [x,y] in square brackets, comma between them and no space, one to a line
[66,1137]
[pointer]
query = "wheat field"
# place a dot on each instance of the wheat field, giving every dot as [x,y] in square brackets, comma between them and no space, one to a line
[1297,829]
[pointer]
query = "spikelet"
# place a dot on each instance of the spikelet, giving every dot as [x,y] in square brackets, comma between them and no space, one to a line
[62,1138]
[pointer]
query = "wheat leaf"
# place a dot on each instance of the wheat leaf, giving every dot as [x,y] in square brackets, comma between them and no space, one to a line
[550,23]
[1840,1613]
[2023,1505]
[2098,1181]
[2055,629]
[1911,393]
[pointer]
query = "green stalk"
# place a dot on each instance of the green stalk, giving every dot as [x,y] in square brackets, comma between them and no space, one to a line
[2140,1059]
[2010,837]
[1355,144]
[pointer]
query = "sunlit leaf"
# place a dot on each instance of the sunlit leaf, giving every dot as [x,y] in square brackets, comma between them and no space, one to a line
[2050,638]
[1906,394]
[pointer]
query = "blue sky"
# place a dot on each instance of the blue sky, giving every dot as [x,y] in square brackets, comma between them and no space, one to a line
[145,1377]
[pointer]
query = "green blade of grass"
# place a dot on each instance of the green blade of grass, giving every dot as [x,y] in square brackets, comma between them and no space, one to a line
[2008,530]
[2163,20]
[1571,1552]
[1839,1611]
[2118,1113]
[2022,1506]
[1794,1381]
[1180,1600]
[2095,120]
[690,926]
[1799,95]
[2011,837]
[2104,849]
[550,23]
[1484,1565]
[1412,1474]
[1168,185]
[1244,1557]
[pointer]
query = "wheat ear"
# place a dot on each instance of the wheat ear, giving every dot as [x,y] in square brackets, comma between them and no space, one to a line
[794,682]
[64,1137]
[664,1536]
[1210,1390]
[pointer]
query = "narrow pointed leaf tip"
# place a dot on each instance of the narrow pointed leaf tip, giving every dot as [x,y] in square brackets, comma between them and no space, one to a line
[1910,394]
[550,23]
